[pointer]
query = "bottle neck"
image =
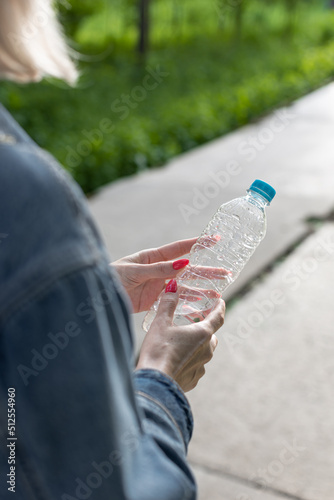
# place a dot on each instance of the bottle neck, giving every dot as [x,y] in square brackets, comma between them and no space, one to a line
[257,199]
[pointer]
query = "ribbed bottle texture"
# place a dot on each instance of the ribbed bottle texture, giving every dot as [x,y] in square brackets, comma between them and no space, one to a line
[219,255]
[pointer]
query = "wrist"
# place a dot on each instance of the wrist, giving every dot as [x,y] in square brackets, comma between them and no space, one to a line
[154,364]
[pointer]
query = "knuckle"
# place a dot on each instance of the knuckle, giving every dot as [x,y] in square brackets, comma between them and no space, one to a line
[212,350]
[215,326]
[161,267]
[207,331]
[209,356]
[220,319]
[222,307]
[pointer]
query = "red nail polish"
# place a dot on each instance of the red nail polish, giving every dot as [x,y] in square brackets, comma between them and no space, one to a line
[171,286]
[179,264]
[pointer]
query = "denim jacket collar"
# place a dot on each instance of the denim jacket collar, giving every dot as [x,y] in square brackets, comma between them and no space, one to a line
[10,131]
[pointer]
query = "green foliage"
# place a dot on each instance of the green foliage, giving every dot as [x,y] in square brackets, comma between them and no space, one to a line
[213,85]
[73,12]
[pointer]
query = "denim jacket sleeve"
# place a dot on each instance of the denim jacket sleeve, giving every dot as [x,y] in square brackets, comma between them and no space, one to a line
[87,425]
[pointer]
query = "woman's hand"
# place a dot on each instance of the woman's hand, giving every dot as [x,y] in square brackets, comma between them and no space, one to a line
[180,351]
[143,274]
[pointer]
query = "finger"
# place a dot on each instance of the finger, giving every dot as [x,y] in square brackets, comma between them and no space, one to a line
[200,372]
[176,249]
[209,240]
[166,270]
[195,305]
[162,270]
[171,251]
[167,307]
[202,272]
[213,343]
[205,351]
[215,319]
[197,294]
[182,247]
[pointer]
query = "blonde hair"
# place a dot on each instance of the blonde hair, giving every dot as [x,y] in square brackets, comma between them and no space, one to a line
[32,44]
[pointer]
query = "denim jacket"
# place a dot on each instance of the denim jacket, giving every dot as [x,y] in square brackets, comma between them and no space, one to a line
[76,421]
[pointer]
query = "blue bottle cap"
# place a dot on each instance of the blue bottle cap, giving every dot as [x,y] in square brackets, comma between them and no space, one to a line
[263,189]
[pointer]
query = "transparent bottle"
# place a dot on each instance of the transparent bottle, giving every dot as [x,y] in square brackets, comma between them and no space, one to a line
[219,254]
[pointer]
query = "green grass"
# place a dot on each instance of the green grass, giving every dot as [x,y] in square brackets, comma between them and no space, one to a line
[214,84]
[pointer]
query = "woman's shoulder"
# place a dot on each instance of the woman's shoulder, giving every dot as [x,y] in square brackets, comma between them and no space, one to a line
[44,214]
[32,180]
[31,177]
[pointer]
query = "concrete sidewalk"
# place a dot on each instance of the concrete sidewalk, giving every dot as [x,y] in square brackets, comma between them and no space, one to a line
[264,413]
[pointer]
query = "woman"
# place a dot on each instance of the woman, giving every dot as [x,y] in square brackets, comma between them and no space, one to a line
[87,421]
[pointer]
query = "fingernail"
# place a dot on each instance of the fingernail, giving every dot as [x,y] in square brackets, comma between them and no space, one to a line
[171,286]
[178,264]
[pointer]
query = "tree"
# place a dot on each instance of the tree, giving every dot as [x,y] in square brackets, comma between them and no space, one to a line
[239,9]
[234,10]
[144,26]
[291,7]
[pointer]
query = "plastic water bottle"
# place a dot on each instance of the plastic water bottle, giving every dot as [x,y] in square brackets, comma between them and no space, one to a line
[219,254]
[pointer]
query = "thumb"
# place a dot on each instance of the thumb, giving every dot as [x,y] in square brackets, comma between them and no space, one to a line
[168,302]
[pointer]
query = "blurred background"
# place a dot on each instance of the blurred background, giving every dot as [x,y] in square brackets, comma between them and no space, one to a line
[250,82]
[225,63]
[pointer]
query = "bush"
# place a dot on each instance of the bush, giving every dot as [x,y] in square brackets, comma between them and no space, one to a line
[213,86]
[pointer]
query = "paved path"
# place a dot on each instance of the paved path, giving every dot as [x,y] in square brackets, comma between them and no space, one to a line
[265,409]
[266,403]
